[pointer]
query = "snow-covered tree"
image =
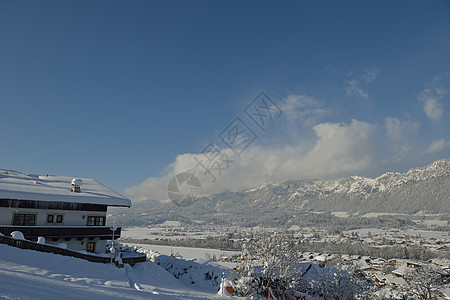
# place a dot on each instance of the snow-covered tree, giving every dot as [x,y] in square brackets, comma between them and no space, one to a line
[270,259]
[424,281]
[341,281]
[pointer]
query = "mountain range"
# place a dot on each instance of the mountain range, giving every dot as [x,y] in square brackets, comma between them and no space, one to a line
[420,191]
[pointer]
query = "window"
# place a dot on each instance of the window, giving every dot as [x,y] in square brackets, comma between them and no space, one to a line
[59,218]
[96,220]
[90,246]
[24,219]
[50,218]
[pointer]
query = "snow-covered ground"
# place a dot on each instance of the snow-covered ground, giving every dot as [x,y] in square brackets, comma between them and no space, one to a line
[27,274]
[426,234]
[186,252]
[164,231]
[193,253]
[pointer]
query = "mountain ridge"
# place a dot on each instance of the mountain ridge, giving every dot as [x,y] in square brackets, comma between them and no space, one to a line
[423,190]
[385,182]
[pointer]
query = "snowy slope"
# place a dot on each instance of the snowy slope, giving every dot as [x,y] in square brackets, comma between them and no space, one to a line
[26,274]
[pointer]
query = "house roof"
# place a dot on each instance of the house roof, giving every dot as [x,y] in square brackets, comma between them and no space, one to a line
[394,280]
[402,270]
[444,263]
[19,186]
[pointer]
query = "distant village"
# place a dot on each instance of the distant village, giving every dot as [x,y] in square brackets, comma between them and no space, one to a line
[405,249]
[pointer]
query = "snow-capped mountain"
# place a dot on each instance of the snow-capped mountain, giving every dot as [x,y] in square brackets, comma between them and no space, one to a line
[423,190]
[364,187]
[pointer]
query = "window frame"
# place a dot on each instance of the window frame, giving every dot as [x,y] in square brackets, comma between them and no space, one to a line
[96,221]
[59,219]
[50,218]
[24,221]
[54,218]
[90,246]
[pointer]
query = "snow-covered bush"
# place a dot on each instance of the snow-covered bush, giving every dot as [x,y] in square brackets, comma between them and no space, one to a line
[62,245]
[41,240]
[17,235]
[192,271]
[118,261]
[197,272]
[119,247]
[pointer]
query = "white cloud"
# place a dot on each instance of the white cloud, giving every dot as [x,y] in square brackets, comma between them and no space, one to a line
[352,88]
[151,188]
[353,85]
[304,109]
[338,149]
[401,153]
[433,109]
[397,129]
[437,145]
[433,106]
[369,75]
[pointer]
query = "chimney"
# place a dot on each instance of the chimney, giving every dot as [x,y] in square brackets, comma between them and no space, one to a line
[76,185]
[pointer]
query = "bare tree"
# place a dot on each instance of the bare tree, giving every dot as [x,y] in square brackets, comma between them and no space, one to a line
[424,281]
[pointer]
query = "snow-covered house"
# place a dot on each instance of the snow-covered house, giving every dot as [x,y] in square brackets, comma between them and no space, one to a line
[444,264]
[60,209]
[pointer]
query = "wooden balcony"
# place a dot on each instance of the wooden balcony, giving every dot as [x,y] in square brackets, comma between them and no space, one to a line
[33,232]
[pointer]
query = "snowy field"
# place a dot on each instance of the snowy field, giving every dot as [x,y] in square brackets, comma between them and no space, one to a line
[185,252]
[426,234]
[27,274]
[191,253]
[170,230]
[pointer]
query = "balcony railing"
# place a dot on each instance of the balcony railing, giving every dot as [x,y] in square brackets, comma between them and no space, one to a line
[33,232]
[23,244]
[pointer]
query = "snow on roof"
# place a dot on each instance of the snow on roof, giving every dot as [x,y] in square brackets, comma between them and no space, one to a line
[321,258]
[402,270]
[395,280]
[16,185]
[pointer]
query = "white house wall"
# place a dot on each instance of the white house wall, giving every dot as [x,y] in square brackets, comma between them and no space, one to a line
[5,216]
[74,244]
[70,218]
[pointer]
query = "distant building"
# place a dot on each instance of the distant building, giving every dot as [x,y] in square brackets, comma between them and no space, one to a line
[60,209]
[442,263]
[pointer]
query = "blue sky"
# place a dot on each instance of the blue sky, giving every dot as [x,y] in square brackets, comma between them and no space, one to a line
[130,93]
